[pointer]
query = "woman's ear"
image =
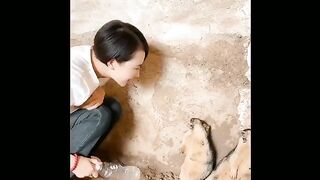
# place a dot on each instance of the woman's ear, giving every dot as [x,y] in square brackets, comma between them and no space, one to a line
[112,63]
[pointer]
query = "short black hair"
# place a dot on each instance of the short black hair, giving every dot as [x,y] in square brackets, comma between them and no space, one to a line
[118,40]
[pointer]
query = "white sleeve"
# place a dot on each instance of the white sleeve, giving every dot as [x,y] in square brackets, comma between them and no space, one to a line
[71,97]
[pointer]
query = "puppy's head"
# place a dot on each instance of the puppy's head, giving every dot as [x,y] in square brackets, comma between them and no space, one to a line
[199,131]
[198,124]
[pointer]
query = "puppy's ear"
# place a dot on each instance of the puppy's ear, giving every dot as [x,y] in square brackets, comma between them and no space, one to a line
[207,128]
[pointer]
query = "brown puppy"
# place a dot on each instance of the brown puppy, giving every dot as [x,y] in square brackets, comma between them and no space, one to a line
[236,165]
[198,162]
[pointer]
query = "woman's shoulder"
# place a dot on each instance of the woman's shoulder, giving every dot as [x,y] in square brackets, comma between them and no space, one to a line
[80,54]
[80,49]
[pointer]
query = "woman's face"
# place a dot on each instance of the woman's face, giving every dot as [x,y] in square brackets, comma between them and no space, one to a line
[125,71]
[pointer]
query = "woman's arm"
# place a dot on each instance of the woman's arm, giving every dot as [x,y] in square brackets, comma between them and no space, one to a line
[95,100]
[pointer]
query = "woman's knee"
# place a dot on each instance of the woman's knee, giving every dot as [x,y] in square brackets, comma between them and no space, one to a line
[105,120]
[114,106]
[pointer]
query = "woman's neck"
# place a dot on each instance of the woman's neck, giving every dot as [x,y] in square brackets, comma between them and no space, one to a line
[98,66]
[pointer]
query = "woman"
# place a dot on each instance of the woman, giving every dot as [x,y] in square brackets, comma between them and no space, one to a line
[118,52]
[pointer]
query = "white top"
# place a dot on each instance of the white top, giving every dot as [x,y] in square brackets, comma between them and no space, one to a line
[83,79]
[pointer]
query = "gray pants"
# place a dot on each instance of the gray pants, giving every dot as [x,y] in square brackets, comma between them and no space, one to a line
[89,127]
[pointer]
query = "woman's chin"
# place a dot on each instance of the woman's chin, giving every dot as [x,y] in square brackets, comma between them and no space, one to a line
[123,83]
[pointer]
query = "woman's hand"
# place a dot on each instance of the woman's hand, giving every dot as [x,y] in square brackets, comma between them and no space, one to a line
[86,167]
[95,100]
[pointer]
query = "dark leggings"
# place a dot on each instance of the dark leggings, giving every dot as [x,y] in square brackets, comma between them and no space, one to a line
[88,128]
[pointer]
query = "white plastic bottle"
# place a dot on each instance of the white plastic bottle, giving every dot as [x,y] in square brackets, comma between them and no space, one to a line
[114,171]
